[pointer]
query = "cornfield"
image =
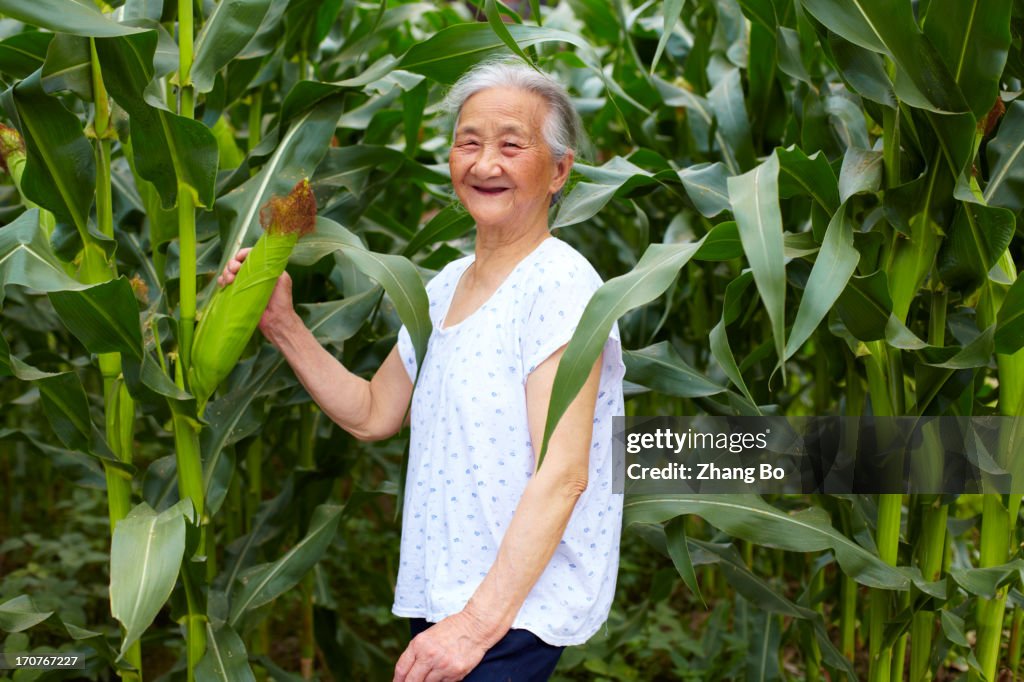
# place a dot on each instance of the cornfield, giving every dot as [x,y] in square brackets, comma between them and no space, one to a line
[799,207]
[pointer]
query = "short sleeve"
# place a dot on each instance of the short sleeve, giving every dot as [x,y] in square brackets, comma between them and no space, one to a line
[407,352]
[556,311]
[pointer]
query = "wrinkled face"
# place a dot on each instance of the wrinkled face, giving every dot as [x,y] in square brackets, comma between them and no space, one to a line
[502,168]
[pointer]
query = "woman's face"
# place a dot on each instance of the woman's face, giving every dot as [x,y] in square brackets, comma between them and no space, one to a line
[502,169]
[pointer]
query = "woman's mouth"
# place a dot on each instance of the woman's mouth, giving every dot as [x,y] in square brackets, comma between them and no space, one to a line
[492,191]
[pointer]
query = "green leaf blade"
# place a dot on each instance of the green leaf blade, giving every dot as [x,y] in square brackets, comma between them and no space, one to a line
[755,201]
[145,556]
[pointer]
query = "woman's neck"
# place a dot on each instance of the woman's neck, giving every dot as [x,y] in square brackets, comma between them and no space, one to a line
[498,251]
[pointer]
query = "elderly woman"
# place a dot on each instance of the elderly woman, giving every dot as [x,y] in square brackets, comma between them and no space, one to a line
[502,564]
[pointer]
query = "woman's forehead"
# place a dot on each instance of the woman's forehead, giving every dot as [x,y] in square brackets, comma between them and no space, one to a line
[502,110]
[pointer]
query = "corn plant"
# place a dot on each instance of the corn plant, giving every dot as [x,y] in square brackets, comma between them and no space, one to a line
[799,207]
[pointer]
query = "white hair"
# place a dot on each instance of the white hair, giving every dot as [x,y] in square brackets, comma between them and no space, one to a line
[561,128]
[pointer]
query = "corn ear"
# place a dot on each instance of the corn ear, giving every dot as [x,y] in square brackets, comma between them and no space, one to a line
[12,153]
[233,312]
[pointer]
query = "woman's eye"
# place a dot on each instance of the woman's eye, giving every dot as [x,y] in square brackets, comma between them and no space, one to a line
[512,145]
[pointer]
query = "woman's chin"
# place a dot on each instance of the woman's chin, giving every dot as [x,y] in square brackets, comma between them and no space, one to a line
[491,216]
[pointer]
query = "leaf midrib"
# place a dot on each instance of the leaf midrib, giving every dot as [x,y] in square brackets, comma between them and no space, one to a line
[58,180]
[768,513]
[277,567]
[145,564]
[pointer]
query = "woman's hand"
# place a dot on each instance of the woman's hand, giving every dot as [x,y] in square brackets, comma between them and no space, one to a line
[280,309]
[445,652]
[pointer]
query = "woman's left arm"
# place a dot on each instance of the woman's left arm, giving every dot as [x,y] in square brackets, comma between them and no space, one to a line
[452,648]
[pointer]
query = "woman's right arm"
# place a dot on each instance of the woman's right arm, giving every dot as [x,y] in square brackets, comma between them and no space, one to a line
[369,410]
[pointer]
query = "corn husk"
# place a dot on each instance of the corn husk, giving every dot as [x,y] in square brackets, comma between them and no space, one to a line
[232,314]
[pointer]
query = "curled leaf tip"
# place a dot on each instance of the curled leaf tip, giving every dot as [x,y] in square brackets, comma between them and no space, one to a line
[293,214]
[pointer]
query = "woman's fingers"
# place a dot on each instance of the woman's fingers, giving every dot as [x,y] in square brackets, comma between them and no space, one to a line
[227,276]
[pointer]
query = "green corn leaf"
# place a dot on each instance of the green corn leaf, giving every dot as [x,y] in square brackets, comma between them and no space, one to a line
[225,659]
[752,587]
[142,9]
[977,353]
[105,318]
[865,306]
[584,202]
[449,52]
[972,37]
[750,518]
[450,223]
[617,177]
[501,30]
[863,70]
[1006,159]
[702,123]
[65,16]
[705,184]
[660,368]
[985,582]
[1009,337]
[755,201]
[760,12]
[847,120]
[260,584]
[802,175]
[675,541]
[68,66]
[353,167]
[26,258]
[861,173]
[889,28]
[670,12]
[147,381]
[721,243]
[23,53]
[718,338]
[20,613]
[656,271]
[727,102]
[146,553]
[789,55]
[60,173]
[395,273]
[65,405]
[64,402]
[226,32]
[978,237]
[835,263]
[763,651]
[272,518]
[762,72]
[168,148]
[953,627]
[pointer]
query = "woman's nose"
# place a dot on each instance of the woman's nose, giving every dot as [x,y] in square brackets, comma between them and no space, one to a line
[488,162]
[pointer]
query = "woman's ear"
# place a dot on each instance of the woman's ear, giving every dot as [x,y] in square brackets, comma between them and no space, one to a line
[562,169]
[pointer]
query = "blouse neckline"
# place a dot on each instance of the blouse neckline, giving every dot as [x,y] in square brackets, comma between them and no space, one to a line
[490,299]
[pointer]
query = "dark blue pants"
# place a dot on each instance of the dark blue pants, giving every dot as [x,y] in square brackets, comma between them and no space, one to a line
[519,656]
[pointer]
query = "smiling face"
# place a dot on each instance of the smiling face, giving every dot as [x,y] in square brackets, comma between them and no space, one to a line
[502,168]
